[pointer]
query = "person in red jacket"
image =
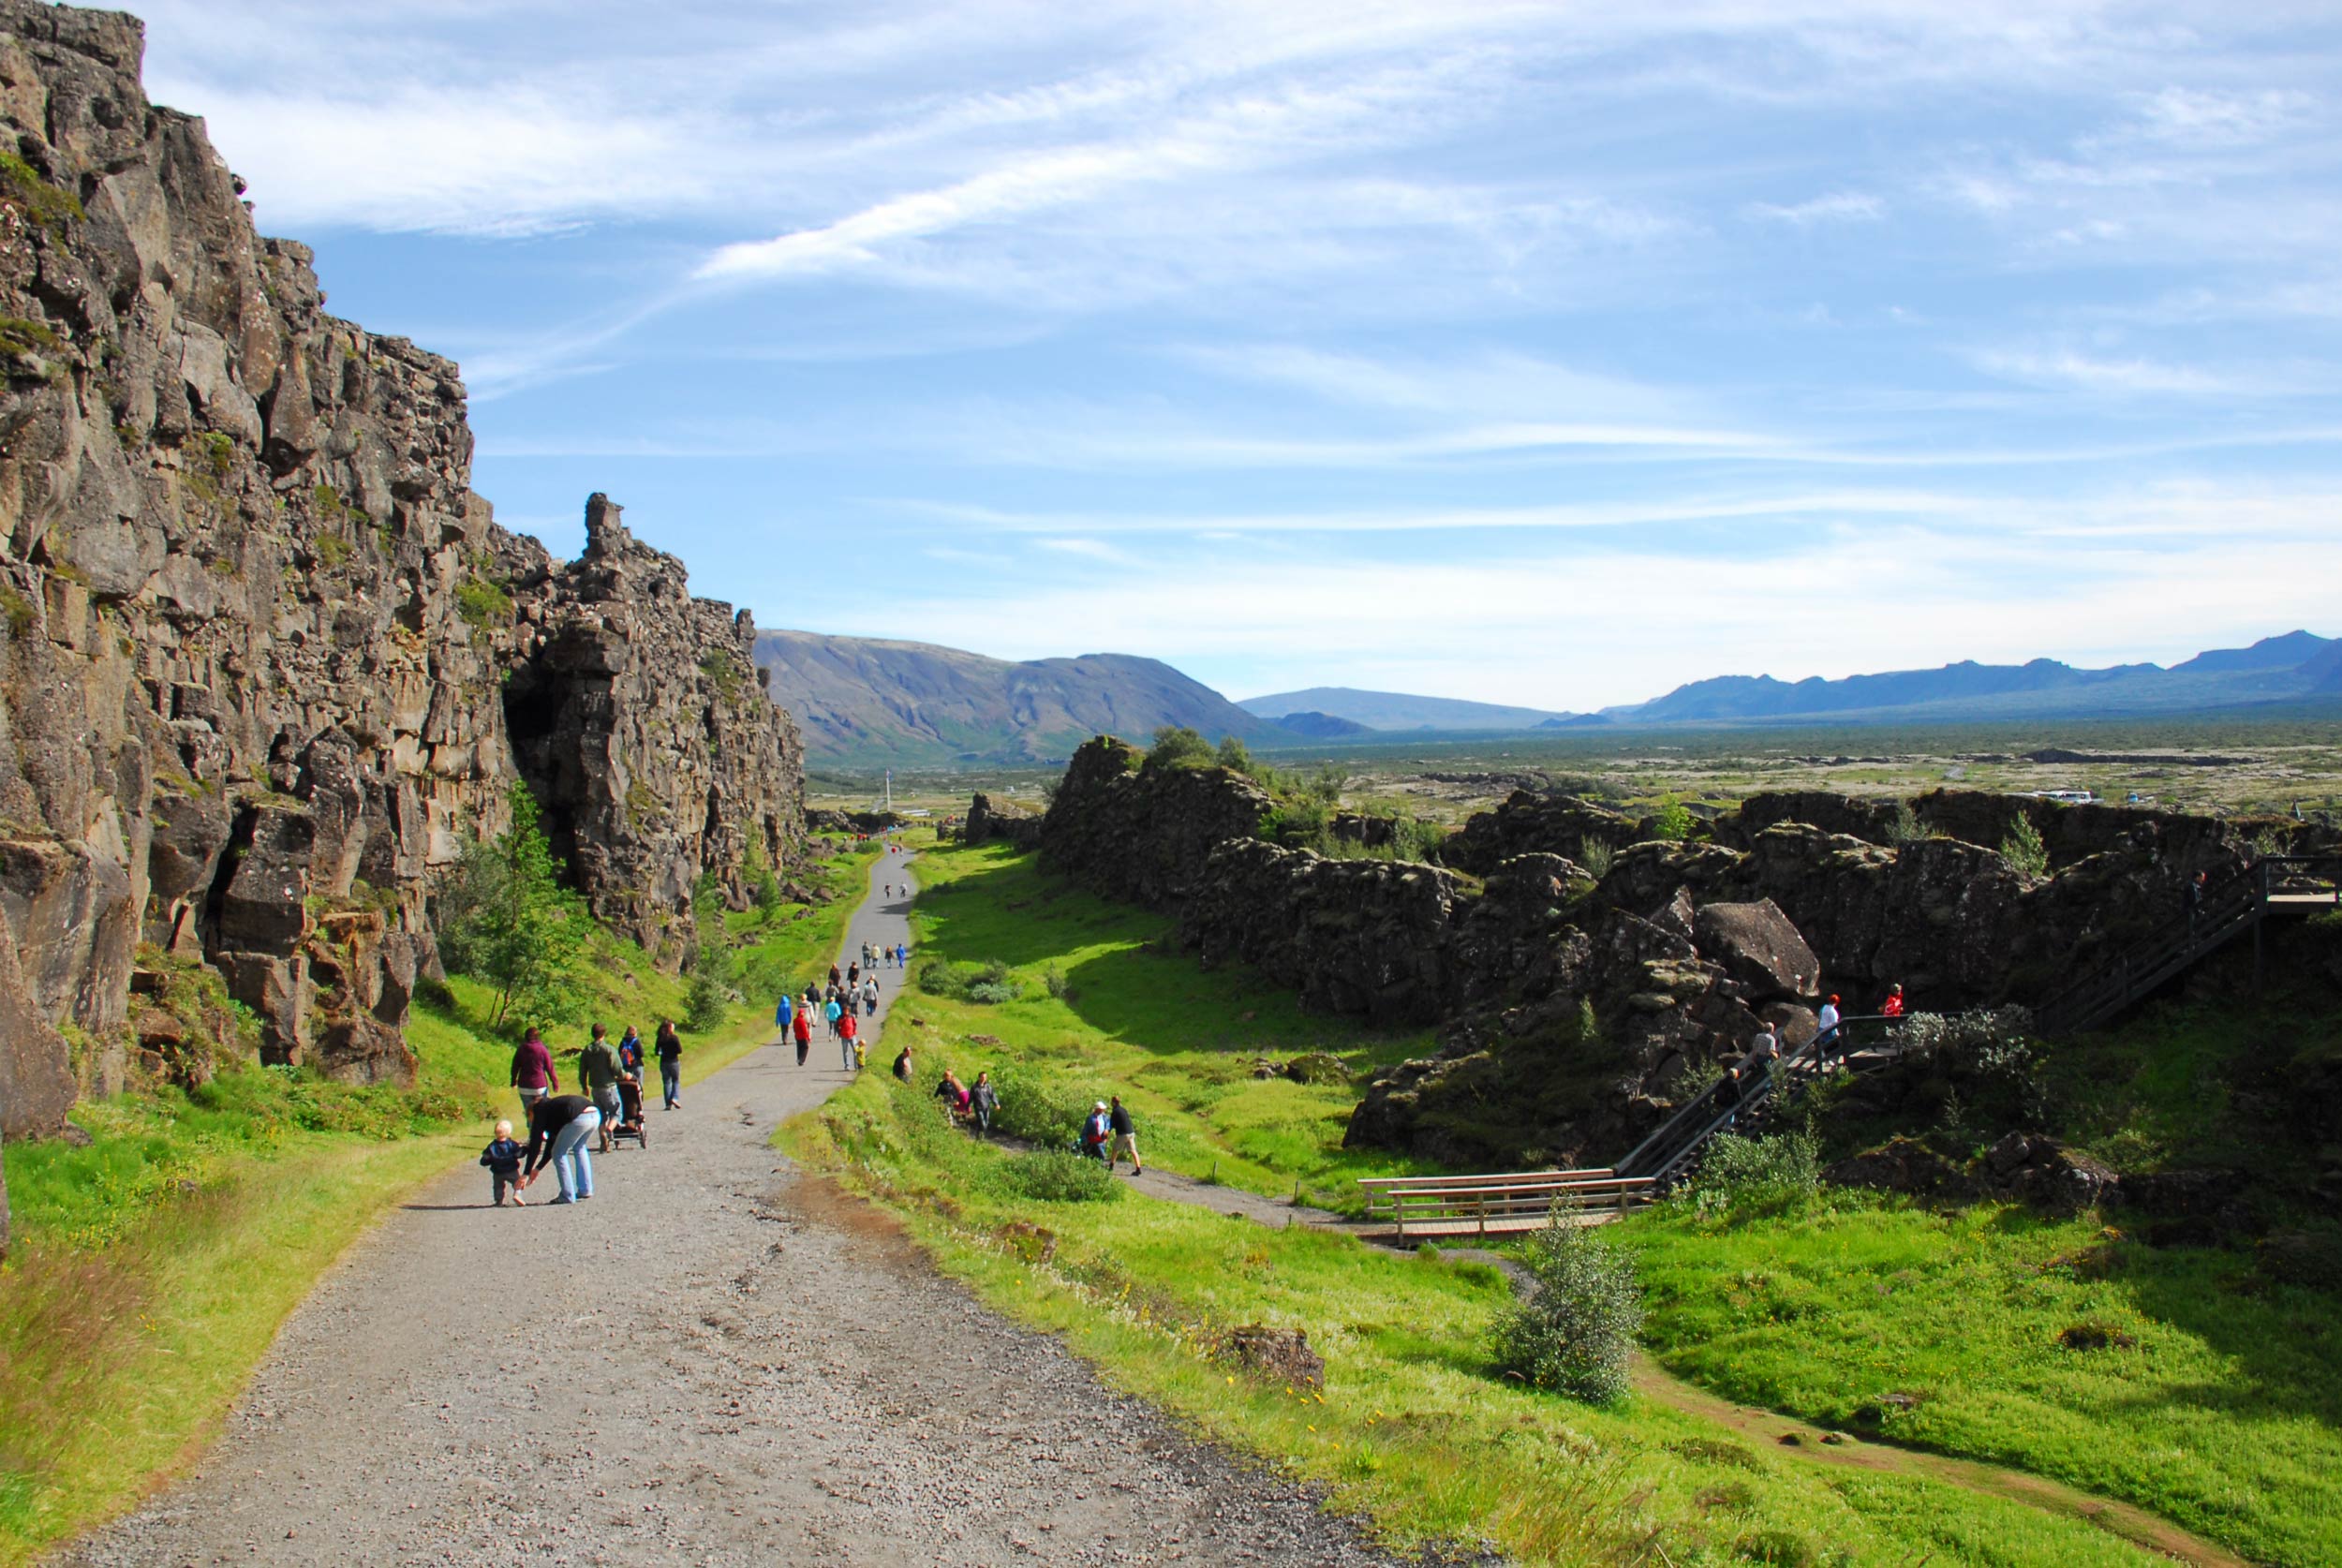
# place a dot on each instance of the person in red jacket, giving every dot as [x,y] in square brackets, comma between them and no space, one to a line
[1892,1006]
[802,1027]
[533,1072]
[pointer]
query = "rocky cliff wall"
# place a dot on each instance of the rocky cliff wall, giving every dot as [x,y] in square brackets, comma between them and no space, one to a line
[264,658]
[1576,1008]
[1143,833]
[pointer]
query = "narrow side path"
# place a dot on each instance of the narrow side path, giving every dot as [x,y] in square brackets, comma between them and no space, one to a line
[714,1361]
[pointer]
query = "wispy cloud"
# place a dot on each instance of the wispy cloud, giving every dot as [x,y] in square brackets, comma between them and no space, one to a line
[1845,206]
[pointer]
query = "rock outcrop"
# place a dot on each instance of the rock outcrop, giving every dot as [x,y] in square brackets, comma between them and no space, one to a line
[265,658]
[1144,833]
[987,819]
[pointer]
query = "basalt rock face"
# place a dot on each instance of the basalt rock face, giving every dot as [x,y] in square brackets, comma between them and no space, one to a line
[256,629]
[1144,834]
[988,821]
[1529,822]
[638,716]
[1365,937]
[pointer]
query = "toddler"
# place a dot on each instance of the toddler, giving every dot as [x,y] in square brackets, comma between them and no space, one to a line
[503,1160]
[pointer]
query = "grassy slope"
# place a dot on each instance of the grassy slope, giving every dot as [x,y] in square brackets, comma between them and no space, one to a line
[1413,1426]
[154,1265]
[1138,1020]
[2225,1417]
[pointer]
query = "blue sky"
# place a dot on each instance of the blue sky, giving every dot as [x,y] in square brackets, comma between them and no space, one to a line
[1541,353]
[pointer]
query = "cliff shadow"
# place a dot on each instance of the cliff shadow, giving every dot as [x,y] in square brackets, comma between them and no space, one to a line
[1126,976]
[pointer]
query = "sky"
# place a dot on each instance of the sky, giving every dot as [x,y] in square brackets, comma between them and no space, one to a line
[1550,354]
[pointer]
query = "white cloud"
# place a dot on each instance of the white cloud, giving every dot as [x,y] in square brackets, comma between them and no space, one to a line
[1846,206]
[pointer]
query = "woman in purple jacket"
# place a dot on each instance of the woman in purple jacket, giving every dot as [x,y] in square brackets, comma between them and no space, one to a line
[533,1072]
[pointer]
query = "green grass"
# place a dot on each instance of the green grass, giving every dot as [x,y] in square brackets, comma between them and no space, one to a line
[152,1265]
[2225,1417]
[1136,1018]
[1413,1426]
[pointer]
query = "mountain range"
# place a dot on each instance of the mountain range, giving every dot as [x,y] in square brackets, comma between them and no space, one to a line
[864,701]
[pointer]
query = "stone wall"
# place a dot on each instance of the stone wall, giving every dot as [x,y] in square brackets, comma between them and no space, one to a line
[988,821]
[255,630]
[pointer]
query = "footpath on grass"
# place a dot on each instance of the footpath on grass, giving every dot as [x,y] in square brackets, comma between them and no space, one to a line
[713,1361]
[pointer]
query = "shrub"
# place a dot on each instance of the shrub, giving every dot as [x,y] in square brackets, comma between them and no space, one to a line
[990,982]
[705,1003]
[1595,857]
[1235,754]
[2023,848]
[1903,825]
[1176,746]
[484,604]
[1756,1175]
[1056,1176]
[1672,820]
[1058,986]
[503,916]
[1577,1331]
[991,993]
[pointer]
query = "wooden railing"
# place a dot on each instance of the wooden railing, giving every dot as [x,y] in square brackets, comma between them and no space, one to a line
[1486,1204]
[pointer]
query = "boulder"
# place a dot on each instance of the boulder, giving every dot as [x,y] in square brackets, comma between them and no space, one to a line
[1275,1355]
[363,1050]
[2047,1175]
[1903,1165]
[1760,948]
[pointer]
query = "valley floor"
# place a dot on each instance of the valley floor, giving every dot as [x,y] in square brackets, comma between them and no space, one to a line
[717,1360]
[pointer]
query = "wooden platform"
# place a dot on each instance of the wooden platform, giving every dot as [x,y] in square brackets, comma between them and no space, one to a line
[1431,1206]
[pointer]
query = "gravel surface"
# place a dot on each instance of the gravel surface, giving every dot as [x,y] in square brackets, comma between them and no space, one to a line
[715,1360]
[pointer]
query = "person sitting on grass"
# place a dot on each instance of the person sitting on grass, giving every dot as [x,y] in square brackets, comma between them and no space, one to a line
[503,1160]
[1096,1128]
[903,1069]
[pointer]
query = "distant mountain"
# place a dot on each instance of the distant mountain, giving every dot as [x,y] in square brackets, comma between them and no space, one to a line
[1320,726]
[2296,666]
[1396,710]
[862,700]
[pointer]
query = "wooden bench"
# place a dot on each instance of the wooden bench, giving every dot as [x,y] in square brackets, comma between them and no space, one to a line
[1500,1203]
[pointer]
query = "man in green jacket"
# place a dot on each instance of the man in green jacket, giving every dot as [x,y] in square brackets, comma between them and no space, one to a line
[599,1070]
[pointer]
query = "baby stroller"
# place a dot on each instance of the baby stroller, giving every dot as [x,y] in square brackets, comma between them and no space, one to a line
[629,1122]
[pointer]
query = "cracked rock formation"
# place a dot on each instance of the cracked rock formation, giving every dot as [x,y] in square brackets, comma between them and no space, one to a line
[265,658]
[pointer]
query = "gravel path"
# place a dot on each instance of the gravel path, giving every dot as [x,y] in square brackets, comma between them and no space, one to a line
[715,1361]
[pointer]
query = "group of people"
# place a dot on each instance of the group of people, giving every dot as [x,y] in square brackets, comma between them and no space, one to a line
[561,1125]
[839,1006]
[1829,1042]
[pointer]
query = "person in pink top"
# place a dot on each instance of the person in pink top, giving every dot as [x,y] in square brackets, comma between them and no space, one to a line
[532,1071]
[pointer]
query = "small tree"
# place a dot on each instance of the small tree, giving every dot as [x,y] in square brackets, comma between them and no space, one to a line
[2022,848]
[505,919]
[1178,745]
[1672,820]
[1235,754]
[1575,1331]
[709,991]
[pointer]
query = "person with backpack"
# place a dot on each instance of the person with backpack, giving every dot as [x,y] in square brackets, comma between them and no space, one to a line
[630,1053]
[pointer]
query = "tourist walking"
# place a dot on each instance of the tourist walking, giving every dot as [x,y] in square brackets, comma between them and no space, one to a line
[953,1093]
[669,1047]
[599,1070]
[1125,1137]
[984,1100]
[1762,1052]
[803,1028]
[1892,1006]
[1826,1034]
[870,995]
[832,1011]
[2197,886]
[783,1014]
[558,1128]
[849,1031]
[532,1071]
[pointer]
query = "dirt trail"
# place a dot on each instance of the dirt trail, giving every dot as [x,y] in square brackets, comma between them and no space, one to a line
[714,1361]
